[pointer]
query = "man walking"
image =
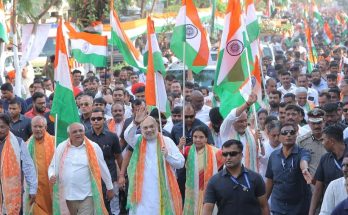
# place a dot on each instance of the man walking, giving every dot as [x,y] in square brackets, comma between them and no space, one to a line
[77,167]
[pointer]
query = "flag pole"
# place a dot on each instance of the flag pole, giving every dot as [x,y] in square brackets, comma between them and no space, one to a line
[55,140]
[183,83]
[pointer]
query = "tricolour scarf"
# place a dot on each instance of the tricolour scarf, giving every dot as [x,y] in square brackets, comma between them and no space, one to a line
[251,151]
[192,186]
[59,202]
[48,142]
[170,199]
[11,186]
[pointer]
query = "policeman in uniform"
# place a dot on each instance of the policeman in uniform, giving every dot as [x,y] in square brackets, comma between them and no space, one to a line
[312,141]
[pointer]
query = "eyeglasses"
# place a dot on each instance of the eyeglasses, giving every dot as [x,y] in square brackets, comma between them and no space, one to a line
[97,118]
[286,132]
[85,104]
[231,154]
[345,110]
[189,116]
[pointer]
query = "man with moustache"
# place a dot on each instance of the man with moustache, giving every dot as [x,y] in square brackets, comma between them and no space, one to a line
[312,141]
[115,124]
[274,100]
[41,149]
[236,189]
[174,119]
[39,105]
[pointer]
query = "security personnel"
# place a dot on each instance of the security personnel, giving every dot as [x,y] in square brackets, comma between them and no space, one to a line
[312,141]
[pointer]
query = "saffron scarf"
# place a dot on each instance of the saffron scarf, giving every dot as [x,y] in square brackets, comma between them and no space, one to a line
[59,203]
[48,142]
[212,162]
[112,126]
[11,186]
[170,199]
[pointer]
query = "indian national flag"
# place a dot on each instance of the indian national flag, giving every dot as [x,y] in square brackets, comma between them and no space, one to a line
[316,14]
[156,52]
[188,28]
[64,101]
[3,28]
[95,27]
[232,65]
[119,38]
[312,52]
[251,21]
[270,8]
[327,34]
[155,92]
[89,48]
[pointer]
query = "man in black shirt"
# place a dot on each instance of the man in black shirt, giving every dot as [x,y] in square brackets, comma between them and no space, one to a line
[330,164]
[236,190]
[20,125]
[110,146]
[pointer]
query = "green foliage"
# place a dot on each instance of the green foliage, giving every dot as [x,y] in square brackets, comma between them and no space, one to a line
[220,6]
[118,66]
[33,9]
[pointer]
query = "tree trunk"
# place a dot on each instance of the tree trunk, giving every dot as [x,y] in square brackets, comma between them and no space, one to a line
[18,79]
[142,5]
[153,6]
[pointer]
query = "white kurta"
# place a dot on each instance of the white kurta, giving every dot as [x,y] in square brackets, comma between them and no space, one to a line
[150,203]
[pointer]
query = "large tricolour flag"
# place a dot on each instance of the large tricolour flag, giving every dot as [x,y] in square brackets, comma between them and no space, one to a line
[119,38]
[64,101]
[327,34]
[188,28]
[3,28]
[155,91]
[89,48]
[232,65]
[316,14]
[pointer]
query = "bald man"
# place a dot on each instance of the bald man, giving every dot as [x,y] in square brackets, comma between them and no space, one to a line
[235,126]
[154,158]
[202,110]
[41,149]
[77,167]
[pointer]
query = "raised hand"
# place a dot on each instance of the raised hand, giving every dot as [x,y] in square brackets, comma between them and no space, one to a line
[140,115]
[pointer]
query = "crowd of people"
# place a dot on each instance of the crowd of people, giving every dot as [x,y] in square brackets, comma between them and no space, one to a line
[125,157]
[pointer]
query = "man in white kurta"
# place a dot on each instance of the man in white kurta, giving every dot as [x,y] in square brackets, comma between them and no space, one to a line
[235,126]
[150,202]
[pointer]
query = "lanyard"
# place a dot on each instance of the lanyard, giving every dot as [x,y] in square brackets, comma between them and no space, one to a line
[337,165]
[245,188]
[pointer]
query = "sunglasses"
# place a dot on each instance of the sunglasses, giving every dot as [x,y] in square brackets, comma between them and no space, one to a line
[286,132]
[97,118]
[231,154]
[189,116]
[345,110]
[85,104]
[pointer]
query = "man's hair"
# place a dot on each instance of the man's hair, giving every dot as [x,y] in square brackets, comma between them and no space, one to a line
[118,89]
[331,76]
[270,118]
[262,110]
[46,79]
[335,90]
[37,95]
[335,132]
[140,89]
[118,103]
[5,118]
[333,64]
[285,73]
[39,117]
[170,77]
[125,68]
[294,108]
[99,100]
[39,81]
[97,110]
[15,101]
[289,124]
[330,107]
[268,80]
[326,94]
[215,116]
[272,125]
[177,110]
[231,142]
[289,95]
[51,97]
[282,104]
[301,90]
[302,75]
[76,71]
[189,85]
[7,87]
[134,74]
[277,92]
[137,102]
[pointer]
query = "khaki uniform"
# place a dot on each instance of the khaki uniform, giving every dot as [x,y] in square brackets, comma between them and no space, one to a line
[315,147]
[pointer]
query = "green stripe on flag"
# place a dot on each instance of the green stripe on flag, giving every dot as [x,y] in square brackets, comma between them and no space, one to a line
[158,62]
[96,60]
[64,105]
[3,33]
